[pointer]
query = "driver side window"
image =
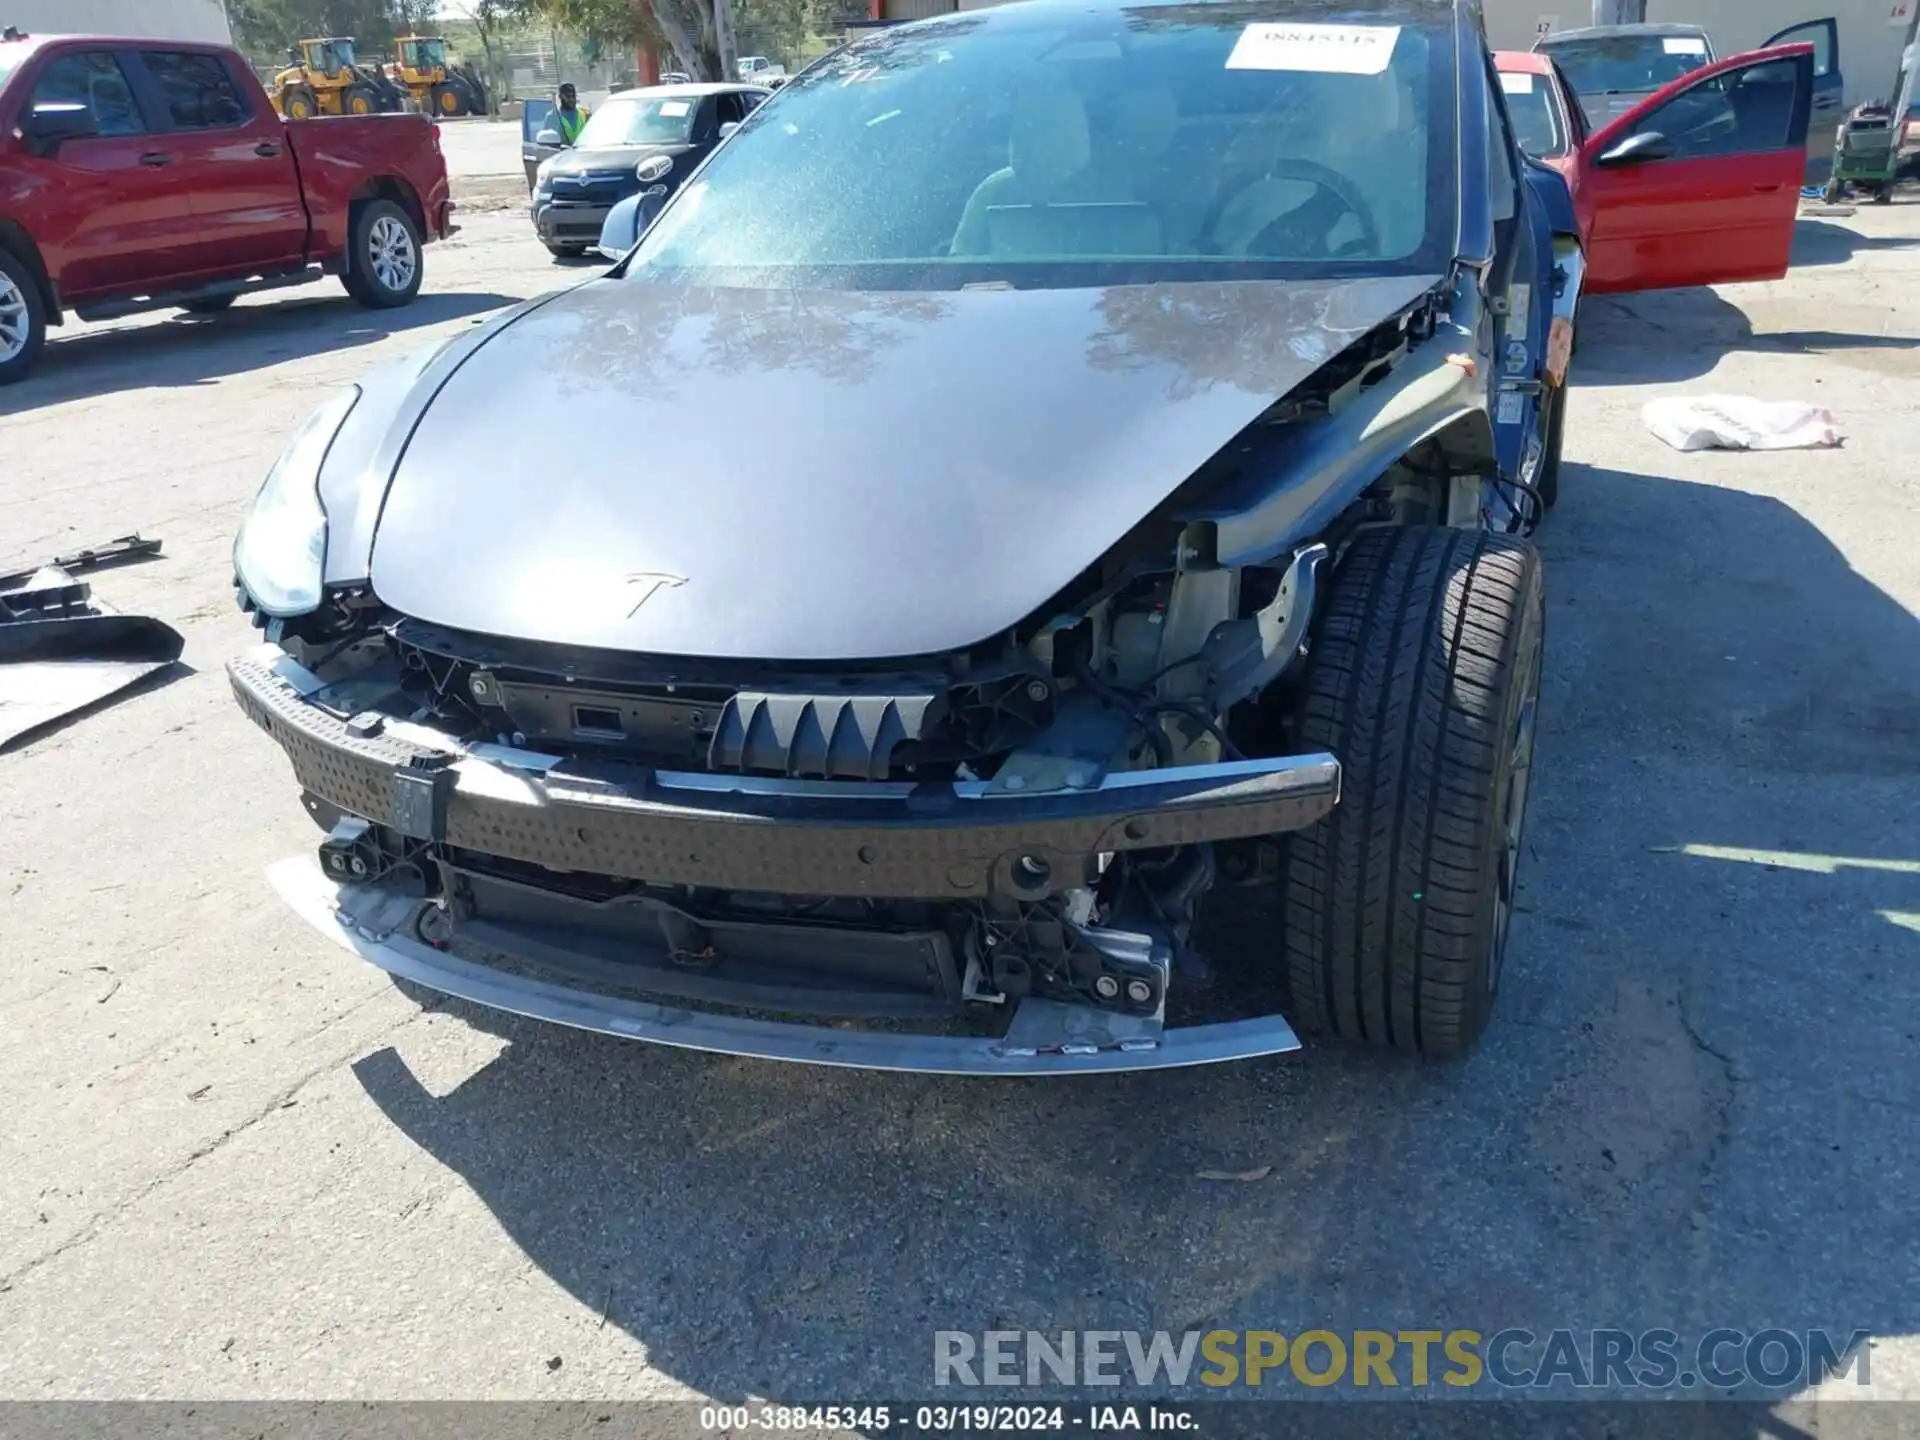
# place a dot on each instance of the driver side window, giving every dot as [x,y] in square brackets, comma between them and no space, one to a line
[1732,114]
[92,78]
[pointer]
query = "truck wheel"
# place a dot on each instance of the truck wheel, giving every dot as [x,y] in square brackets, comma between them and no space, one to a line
[383,255]
[446,102]
[1424,679]
[358,100]
[299,104]
[23,319]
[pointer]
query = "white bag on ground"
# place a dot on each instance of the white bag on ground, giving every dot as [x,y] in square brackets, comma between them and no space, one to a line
[1735,422]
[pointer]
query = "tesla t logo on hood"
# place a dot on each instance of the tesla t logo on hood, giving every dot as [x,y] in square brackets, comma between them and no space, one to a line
[645,584]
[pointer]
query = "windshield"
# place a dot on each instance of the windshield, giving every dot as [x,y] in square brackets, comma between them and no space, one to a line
[1629,64]
[333,55]
[641,120]
[11,54]
[426,54]
[1047,146]
[1536,118]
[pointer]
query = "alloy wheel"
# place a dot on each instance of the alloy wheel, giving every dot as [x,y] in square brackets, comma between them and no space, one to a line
[15,322]
[391,254]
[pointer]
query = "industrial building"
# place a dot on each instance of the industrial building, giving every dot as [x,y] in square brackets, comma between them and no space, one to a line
[148,19]
[1871,32]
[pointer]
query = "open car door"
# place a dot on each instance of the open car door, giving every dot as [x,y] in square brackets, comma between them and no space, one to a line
[1829,89]
[1699,184]
[533,119]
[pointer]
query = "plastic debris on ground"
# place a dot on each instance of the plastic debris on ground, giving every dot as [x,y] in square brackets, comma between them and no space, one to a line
[1736,422]
[61,651]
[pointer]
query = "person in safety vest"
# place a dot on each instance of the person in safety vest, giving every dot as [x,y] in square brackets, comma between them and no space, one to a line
[570,116]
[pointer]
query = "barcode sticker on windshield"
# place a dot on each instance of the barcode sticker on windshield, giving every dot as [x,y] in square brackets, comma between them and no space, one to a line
[674,109]
[1516,83]
[1685,45]
[1322,49]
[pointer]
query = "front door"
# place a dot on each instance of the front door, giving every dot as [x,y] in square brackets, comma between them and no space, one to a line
[1829,90]
[113,217]
[232,164]
[1700,183]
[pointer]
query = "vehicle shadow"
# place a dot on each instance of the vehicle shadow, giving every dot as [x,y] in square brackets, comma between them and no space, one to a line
[1692,1109]
[176,349]
[1684,334]
[1817,242]
[1678,335]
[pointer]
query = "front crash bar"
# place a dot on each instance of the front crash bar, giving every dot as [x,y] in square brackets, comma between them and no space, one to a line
[1044,1037]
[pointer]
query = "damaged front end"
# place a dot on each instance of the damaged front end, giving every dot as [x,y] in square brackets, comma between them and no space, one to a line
[996,861]
[988,860]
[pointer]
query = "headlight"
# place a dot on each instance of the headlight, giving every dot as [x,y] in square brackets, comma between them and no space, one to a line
[543,177]
[654,167]
[280,553]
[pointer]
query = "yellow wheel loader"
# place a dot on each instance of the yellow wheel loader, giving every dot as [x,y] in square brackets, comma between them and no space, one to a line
[322,79]
[439,88]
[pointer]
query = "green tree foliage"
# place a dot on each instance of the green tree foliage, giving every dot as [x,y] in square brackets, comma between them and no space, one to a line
[263,29]
[699,34]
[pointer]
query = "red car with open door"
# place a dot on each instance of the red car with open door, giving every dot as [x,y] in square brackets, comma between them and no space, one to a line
[1699,184]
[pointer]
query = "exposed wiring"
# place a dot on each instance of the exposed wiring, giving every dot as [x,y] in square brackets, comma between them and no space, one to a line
[1139,706]
[1194,711]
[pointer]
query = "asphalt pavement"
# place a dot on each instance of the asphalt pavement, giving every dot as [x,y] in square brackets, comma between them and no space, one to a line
[240,1163]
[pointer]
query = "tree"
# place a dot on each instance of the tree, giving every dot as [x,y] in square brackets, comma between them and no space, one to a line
[414,17]
[699,32]
[491,18]
[265,28]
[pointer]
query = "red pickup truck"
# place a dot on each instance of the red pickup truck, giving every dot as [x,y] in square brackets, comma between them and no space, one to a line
[141,174]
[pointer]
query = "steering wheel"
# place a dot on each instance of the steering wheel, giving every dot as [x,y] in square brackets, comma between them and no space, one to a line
[1306,227]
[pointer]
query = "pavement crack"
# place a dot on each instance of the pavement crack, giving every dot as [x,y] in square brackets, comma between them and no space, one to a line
[1720,1100]
[278,1100]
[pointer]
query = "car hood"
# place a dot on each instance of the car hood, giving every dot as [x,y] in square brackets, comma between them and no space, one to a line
[609,157]
[824,475]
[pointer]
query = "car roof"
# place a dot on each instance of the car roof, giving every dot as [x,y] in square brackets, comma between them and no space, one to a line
[1650,31]
[1522,62]
[36,39]
[689,88]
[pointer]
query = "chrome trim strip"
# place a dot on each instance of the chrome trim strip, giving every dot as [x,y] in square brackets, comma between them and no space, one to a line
[315,899]
[1310,768]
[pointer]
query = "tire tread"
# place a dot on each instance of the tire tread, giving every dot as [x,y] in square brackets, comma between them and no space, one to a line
[1388,902]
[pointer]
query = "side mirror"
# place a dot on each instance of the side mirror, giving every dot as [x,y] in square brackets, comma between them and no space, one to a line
[1638,149]
[727,127]
[628,221]
[550,137]
[50,123]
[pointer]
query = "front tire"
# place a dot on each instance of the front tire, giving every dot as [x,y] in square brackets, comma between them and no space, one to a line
[446,102]
[383,257]
[23,319]
[358,100]
[1424,679]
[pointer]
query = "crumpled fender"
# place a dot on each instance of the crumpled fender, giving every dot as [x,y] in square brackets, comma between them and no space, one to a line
[1324,468]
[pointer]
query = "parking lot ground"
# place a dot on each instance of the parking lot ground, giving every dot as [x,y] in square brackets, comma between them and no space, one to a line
[240,1163]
